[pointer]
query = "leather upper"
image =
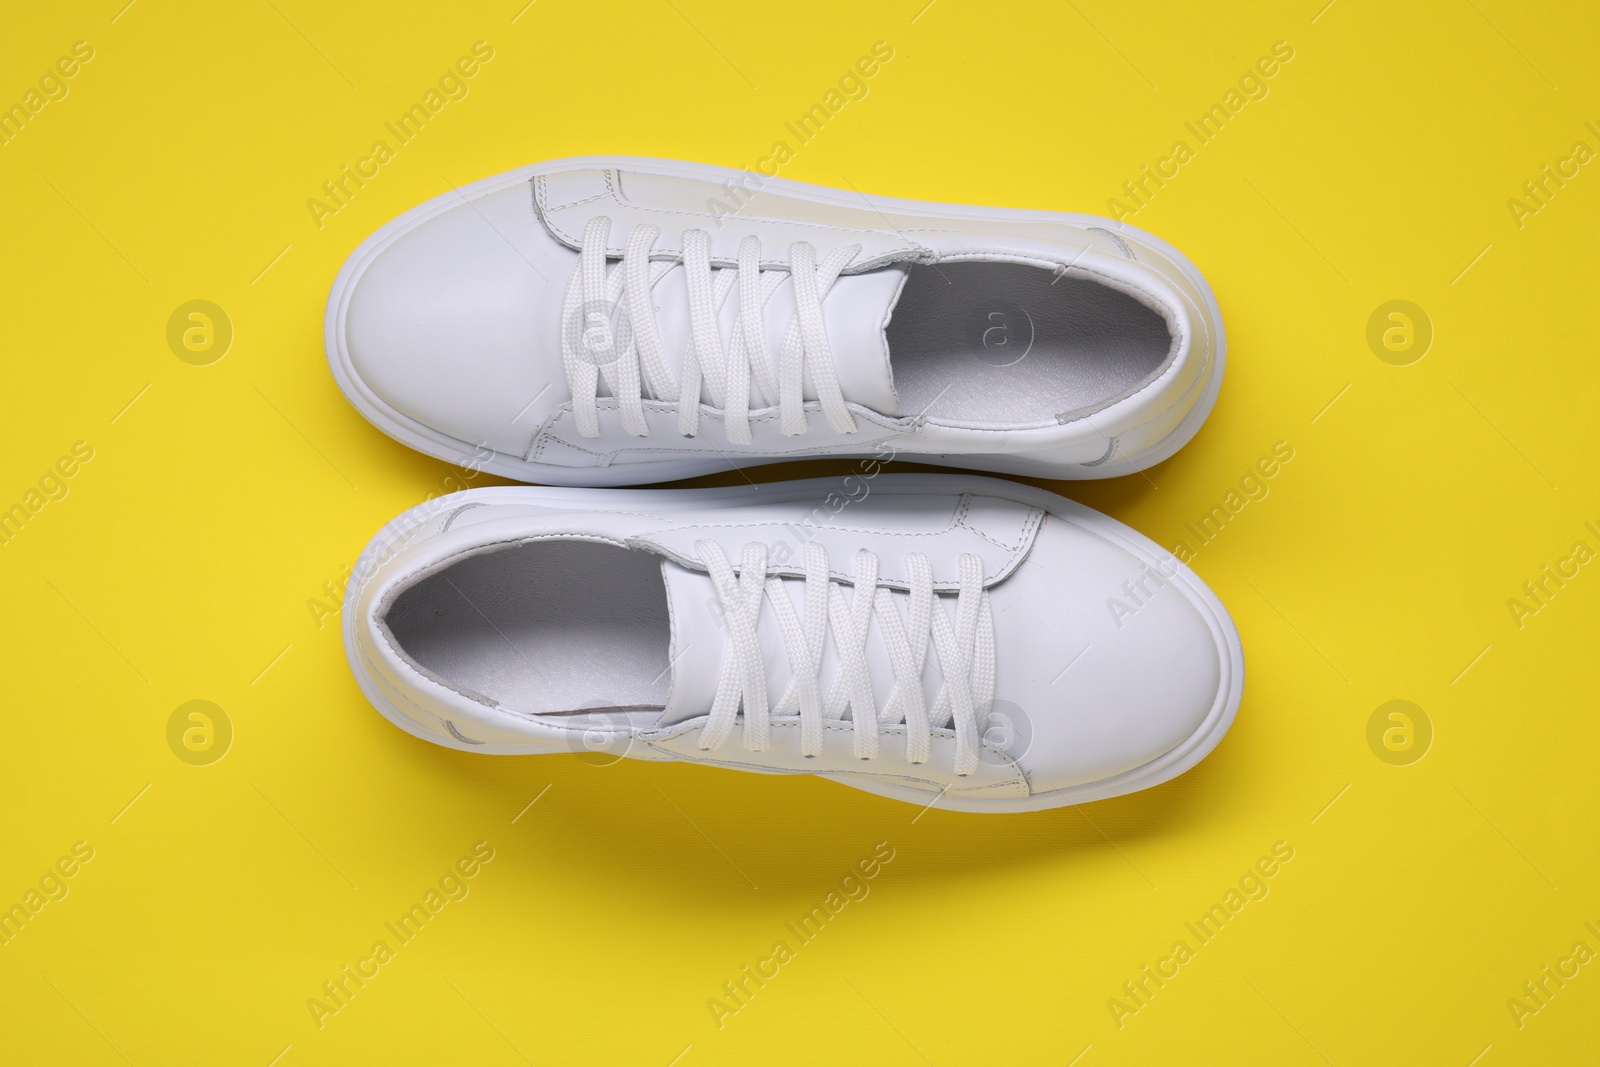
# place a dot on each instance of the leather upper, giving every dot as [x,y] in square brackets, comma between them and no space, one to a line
[1083,693]
[566,200]
[453,320]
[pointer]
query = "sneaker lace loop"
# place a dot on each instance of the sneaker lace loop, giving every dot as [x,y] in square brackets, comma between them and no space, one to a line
[965,649]
[629,357]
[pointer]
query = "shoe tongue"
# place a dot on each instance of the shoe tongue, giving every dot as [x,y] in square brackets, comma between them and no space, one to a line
[698,642]
[854,313]
[700,639]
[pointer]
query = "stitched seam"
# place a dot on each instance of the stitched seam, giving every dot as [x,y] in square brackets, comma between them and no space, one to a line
[1127,251]
[1111,446]
[610,403]
[585,200]
[1030,522]
[750,525]
[992,429]
[457,514]
[819,450]
[840,726]
[614,192]
[961,520]
[542,195]
[854,230]
[892,426]
[787,525]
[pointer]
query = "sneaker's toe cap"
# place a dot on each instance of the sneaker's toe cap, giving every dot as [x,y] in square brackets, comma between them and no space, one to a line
[439,324]
[1137,668]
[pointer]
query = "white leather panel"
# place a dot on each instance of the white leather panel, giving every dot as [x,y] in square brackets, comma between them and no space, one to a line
[997,773]
[560,444]
[891,526]
[568,200]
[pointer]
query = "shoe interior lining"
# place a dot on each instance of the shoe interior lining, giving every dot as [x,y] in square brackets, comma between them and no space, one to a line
[543,627]
[1008,343]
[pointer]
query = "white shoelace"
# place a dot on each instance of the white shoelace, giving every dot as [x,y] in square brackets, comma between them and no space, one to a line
[966,651]
[590,347]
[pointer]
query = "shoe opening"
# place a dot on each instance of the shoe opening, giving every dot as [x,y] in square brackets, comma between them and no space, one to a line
[1011,343]
[542,627]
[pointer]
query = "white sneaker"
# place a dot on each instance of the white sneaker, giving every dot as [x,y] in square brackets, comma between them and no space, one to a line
[613,321]
[968,641]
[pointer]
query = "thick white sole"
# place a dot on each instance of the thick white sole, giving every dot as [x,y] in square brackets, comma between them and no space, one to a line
[414,434]
[1168,765]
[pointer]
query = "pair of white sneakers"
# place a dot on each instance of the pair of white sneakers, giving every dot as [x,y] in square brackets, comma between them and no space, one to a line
[942,639]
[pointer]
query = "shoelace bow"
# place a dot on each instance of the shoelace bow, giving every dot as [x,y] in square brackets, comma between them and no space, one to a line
[632,356]
[966,651]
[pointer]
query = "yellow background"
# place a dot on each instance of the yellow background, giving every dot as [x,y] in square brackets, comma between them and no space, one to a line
[179,567]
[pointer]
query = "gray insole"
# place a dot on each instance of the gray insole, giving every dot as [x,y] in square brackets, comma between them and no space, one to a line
[1013,343]
[545,626]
